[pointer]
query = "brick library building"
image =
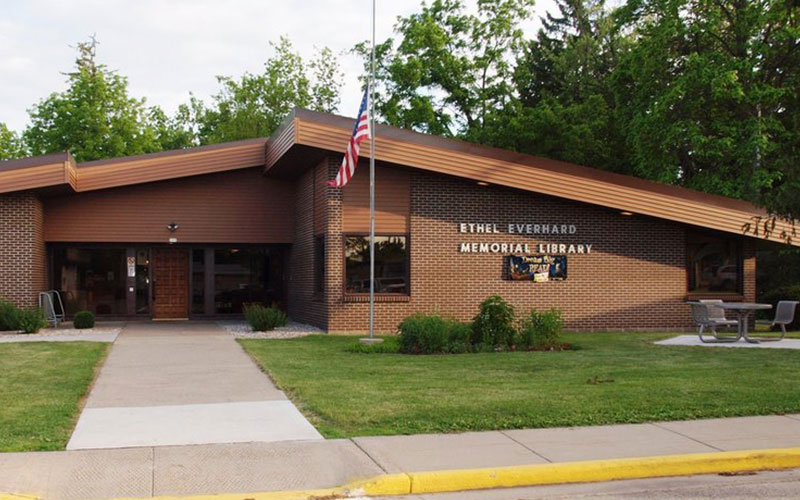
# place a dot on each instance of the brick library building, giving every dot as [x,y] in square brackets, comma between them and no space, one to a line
[199,233]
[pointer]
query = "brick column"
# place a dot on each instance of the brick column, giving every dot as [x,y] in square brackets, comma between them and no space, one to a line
[23,257]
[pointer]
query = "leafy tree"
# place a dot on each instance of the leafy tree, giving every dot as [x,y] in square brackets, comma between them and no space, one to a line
[450,69]
[710,96]
[255,104]
[10,144]
[94,117]
[566,105]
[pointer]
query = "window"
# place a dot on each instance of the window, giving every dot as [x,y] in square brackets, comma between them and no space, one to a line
[198,281]
[391,264]
[715,264]
[319,264]
[241,277]
[91,278]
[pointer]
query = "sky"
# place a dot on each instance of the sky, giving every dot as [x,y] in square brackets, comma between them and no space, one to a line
[169,48]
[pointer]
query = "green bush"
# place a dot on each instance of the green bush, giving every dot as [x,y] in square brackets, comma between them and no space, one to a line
[262,319]
[459,338]
[541,330]
[83,319]
[494,324]
[31,320]
[9,316]
[432,334]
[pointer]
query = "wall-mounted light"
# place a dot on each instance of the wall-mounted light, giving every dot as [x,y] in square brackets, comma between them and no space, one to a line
[172,226]
[627,214]
[482,183]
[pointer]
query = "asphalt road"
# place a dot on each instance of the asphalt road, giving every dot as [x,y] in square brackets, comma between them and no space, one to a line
[773,485]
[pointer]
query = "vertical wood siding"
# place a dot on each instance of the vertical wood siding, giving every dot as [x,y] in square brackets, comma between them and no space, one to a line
[392,200]
[231,207]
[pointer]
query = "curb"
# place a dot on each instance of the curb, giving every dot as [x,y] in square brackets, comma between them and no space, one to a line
[527,475]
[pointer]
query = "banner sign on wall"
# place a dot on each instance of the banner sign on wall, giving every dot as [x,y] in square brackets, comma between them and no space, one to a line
[538,268]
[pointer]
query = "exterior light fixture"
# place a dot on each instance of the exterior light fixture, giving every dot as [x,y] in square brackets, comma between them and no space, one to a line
[172,226]
[482,183]
[627,214]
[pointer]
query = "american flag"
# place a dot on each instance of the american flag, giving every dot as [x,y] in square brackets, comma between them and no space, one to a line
[361,131]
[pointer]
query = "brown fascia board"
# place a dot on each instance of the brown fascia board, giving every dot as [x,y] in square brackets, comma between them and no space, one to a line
[55,170]
[50,170]
[458,158]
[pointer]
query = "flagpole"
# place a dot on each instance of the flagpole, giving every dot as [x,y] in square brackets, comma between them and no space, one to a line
[372,183]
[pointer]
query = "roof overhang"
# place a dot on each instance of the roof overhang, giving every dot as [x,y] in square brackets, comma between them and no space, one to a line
[43,173]
[306,134]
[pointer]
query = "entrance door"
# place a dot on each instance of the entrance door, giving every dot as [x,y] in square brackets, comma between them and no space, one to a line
[170,283]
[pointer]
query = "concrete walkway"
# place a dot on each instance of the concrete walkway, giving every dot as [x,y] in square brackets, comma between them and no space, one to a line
[183,384]
[254,467]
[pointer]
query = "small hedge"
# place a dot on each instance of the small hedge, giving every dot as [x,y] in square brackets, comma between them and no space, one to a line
[433,334]
[83,319]
[9,316]
[262,319]
[492,330]
[541,331]
[493,327]
[31,320]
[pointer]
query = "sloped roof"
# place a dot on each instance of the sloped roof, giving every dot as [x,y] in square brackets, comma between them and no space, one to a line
[60,170]
[306,134]
[308,129]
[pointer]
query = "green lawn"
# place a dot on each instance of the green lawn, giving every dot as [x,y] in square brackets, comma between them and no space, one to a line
[609,378]
[41,386]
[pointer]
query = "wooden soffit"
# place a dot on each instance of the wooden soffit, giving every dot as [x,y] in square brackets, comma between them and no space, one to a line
[307,129]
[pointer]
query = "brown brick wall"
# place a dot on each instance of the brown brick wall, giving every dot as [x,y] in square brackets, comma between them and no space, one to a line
[23,257]
[303,304]
[635,277]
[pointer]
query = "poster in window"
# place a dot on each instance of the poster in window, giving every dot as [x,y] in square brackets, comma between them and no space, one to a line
[537,268]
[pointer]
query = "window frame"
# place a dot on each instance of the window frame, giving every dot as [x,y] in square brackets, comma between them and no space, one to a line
[739,245]
[387,296]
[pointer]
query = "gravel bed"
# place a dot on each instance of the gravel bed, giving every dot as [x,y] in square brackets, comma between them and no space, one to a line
[242,330]
[67,332]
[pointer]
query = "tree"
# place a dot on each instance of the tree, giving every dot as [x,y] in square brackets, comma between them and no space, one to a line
[566,106]
[255,104]
[10,144]
[710,93]
[451,69]
[94,117]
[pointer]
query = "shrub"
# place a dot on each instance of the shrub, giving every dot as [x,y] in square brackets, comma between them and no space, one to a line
[459,338]
[541,330]
[494,324]
[31,320]
[432,334]
[262,319]
[83,319]
[9,316]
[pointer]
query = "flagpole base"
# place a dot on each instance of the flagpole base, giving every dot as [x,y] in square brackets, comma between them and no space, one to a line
[369,341]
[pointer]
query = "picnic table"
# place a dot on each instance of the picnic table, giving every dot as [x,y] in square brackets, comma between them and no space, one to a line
[743,310]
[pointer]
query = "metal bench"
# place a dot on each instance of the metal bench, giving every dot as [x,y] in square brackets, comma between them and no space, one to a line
[706,315]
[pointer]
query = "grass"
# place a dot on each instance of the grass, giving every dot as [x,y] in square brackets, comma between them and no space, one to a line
[609,378]
[41,387]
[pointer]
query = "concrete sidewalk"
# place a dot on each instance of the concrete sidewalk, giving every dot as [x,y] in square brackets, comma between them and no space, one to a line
[254,467]
[183,384]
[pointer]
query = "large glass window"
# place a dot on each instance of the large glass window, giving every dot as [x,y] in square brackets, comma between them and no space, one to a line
[92,279]
[715,264]
[241,277]
[198,281]
[391,264]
